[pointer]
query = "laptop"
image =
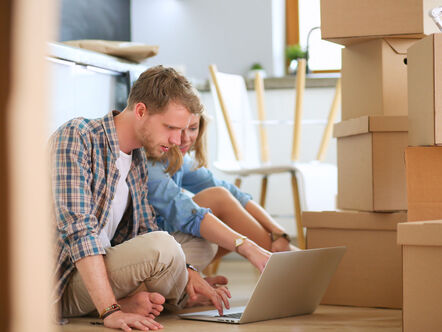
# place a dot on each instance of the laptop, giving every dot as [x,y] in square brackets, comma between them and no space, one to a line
[292,283]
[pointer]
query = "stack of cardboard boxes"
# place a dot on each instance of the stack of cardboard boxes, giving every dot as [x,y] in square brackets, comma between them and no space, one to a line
[421,238]
[372,139]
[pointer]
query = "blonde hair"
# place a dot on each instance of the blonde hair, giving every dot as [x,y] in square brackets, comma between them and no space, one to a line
[200,146]
[174,157]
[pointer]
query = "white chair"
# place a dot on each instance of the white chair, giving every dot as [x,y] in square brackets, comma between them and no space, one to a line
[241,151]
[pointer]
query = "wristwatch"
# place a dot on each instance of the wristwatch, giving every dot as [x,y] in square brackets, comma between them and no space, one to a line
[189,266]
[275,236]
[239,241]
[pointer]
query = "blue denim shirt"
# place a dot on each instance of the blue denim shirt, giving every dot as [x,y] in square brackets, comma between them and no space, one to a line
[175,210]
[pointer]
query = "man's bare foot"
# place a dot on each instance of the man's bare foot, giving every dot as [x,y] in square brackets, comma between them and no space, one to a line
[143,303]
[201,299]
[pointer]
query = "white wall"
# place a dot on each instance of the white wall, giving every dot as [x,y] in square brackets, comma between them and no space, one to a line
[196,33]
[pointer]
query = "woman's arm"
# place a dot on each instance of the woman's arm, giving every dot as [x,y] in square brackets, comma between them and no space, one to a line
[178,210]
[214,230]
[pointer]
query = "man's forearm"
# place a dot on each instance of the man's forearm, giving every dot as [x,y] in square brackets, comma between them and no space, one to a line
[94,274]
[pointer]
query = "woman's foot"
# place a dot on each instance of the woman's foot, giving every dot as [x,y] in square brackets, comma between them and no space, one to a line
[283,245]
[143,303]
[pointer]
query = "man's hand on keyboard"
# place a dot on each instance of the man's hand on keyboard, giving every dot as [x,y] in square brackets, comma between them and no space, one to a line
[213,289]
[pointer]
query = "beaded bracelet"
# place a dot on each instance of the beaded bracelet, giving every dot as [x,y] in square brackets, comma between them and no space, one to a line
[110,310]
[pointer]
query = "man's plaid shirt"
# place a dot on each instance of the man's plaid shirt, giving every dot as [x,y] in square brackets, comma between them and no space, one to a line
[84,179]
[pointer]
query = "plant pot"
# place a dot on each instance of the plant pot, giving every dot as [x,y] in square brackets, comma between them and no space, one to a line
[293,67]
[252,73]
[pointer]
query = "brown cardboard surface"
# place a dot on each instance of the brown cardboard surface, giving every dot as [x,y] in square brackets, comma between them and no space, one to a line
[365,124]
[374,78]
[437,58]
[389,180]
[371,169]
[425,95]
[355,160]
[422,288]
[370,273]
[342,21]
[420,98]
[421,233]
[355,220]
[424,182]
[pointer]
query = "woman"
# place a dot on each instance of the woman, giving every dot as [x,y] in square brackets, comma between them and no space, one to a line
[213,198]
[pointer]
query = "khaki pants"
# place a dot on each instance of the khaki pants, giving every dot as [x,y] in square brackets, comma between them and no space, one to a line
[199,252]
[154,260]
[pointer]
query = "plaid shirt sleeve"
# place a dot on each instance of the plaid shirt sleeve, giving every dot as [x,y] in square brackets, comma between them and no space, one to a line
[72,181]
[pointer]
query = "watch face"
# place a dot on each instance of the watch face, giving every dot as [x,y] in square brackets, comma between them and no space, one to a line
[239,241]
[191,267]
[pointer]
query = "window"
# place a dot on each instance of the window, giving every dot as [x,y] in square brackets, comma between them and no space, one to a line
[303,20]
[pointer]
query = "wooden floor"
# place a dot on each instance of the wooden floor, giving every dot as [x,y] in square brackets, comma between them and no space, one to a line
[242,278]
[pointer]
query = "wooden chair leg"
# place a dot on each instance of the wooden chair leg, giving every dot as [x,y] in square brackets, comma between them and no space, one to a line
[238,182]
[298,215]
[262,200]
[211,269]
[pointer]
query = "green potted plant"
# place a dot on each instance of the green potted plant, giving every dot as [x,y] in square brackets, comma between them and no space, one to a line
[293,53]
[254,68]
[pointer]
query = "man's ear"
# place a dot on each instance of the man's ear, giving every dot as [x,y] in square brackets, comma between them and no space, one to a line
[140,110]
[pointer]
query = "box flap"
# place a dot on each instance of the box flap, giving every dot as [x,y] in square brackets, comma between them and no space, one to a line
[346,41]
[353,220]
[400,45]
[367,124]
[420,233]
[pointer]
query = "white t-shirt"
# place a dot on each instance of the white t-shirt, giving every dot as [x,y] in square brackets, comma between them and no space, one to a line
[120,201]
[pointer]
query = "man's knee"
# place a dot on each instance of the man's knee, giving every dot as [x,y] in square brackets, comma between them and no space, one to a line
[165,247]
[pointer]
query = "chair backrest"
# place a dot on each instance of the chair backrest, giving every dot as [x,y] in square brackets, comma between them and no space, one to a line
[234,120]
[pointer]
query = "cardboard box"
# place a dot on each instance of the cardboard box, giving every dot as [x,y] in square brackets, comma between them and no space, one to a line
[422,274]
[424,182]
[425,91]
[348,21]
[374,78]
[371,167]
[370,273]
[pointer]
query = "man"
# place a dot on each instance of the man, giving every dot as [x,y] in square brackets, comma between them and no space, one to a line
[106,244]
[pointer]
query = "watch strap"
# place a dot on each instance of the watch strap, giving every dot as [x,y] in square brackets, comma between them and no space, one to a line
[239,242]
[275,236]
[190,266]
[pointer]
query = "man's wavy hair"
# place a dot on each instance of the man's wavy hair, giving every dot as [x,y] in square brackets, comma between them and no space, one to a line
[156,88]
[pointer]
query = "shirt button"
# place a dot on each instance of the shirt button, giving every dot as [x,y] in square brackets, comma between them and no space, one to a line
[194,211]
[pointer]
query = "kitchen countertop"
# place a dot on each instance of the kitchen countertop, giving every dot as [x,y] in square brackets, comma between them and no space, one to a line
[287,82]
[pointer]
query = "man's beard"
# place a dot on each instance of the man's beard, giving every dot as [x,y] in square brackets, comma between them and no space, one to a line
[149,146]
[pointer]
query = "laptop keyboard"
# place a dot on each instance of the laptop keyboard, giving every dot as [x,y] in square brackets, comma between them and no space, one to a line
[235,315]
